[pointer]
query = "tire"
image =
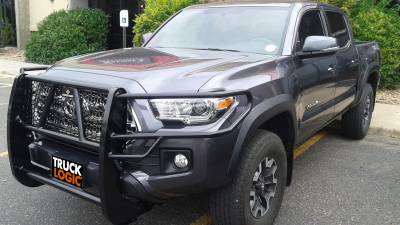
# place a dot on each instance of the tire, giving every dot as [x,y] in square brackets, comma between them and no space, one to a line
[231,205]
[356,121]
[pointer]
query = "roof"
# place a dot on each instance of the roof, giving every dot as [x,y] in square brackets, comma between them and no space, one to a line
[249,3]
[285,3]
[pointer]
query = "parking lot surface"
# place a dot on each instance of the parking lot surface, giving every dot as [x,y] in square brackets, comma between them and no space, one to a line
[336,181]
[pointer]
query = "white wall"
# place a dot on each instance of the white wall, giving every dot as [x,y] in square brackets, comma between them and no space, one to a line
[39,9]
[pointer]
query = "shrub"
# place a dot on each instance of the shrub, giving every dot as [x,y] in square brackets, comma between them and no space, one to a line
[155,13]
[377,21]
[6,34]
[68,33]
[345,5]
[382,26]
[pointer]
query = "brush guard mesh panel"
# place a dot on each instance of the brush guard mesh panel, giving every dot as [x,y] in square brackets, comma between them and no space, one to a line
[92,107]
[61,115]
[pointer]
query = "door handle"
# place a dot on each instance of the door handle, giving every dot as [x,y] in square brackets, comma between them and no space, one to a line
[332,69]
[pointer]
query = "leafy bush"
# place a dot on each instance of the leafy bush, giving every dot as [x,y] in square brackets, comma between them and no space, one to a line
[345,5]
[377,21]
[155,13]
[382,26]
[68,33]
[6,34]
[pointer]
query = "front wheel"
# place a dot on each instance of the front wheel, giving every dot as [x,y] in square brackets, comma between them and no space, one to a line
[255,195]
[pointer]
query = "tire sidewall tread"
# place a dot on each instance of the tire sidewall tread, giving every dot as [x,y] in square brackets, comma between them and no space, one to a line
[230,205]
[352,124]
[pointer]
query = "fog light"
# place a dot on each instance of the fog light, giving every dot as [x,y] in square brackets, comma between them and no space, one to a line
[181,161]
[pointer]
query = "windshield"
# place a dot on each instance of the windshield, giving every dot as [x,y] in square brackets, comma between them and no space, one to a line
[243,28]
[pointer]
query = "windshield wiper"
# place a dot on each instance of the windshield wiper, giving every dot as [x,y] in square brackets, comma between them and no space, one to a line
[217,49]
[208,49]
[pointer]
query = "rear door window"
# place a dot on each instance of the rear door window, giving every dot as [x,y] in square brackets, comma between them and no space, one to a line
[338,28]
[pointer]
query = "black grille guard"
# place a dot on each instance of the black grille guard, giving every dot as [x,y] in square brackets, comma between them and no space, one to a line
[114,205]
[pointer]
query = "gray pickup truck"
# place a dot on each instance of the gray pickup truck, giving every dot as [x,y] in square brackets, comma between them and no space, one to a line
[215,101]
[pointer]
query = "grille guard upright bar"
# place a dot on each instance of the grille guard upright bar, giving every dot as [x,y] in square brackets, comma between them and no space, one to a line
[117,208]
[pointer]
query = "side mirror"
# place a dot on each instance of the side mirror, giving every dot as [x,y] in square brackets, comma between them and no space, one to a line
[320,44]
[146,37]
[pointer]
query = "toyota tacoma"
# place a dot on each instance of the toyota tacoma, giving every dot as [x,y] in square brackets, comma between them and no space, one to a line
[216,100]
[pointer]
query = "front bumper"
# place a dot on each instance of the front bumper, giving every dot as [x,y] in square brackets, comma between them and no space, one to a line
[114,180]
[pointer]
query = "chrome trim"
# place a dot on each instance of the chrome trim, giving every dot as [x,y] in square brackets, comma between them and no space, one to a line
[135,117]
[330,49]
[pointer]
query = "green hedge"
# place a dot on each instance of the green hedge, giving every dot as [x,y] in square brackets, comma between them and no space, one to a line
[6,34]
[155,13]
[68,33]
[377,21]
[382,26]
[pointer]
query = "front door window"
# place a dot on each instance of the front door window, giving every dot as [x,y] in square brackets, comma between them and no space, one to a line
[310,25]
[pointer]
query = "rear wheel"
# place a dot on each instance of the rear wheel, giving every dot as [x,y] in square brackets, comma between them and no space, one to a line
[356,121]
[255,195]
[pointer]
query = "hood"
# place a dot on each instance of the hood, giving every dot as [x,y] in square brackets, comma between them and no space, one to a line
[161,70]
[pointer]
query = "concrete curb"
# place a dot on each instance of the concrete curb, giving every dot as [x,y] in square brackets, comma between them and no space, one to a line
[7,73]
[386,120]
[384,132]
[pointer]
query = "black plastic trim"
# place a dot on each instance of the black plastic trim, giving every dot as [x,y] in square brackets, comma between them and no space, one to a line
[259,115]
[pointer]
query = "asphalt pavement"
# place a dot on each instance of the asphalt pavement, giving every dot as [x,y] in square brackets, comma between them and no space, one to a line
[337,181]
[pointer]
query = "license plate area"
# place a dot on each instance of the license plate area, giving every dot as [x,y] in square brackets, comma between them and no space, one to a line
[67,171]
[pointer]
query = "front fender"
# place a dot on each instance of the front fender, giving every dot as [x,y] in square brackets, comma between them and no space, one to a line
[260,114]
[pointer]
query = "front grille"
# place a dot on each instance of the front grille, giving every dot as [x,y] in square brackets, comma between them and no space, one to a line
[62,115]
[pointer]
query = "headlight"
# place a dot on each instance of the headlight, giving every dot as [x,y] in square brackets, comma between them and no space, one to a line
[192,111]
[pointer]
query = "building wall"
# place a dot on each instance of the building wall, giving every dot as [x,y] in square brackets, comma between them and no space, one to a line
[39,9]
[29,13]
[22,22]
